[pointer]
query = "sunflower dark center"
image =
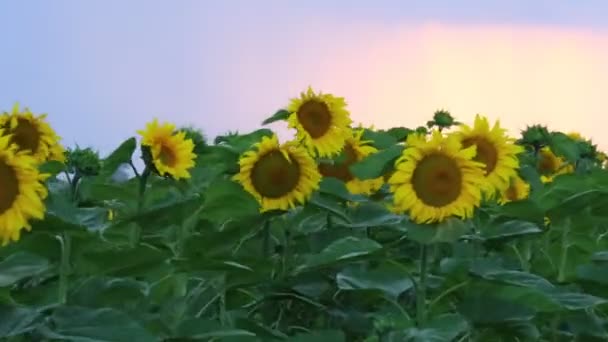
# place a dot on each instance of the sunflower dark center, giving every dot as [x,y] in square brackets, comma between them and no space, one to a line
[486,152]
[273,176]
[167,156]
[315,117]
[341,170]
[26,136]
[437,180]
[9,186]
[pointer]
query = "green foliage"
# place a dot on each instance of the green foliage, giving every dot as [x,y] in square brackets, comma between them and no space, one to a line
[195,260]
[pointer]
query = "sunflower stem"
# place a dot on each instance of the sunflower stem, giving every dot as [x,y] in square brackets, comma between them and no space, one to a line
[421,288]
[143,180]
[74,185]
[266,239]
[64,266]
[561,274]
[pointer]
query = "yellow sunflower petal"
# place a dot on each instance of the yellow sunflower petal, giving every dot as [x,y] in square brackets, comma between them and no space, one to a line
[278,182]
[23,191]
[435,179]
[32,134]
[172,153]
[321,120]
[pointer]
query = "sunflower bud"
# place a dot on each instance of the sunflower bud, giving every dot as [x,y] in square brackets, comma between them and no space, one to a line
[84,162]
[536,136]
[197,137]
[443,119]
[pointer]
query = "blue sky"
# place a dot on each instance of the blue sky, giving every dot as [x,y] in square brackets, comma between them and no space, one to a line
[102,68]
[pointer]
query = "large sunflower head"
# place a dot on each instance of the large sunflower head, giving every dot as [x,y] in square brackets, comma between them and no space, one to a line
[518,190]
[32,134]
[278,176]
[22,190]
[549,165]
[321,120]
[355,149]
[436,178]
[495,150]
[171,153]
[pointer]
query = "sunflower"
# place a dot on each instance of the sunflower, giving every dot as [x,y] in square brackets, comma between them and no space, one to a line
[518,190]
[549,165]
[436,178]
[32,134]
[355,150]
[278,176]
[23,191]
[495,150]
[321,120]
[172,154]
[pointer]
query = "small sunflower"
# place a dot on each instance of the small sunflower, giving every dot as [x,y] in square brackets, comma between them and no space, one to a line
[321,120]
[278,176]
[517,190]
[172,154]
[32,134]
[549,165]
[436,178]
[576,136]
[495,150]
[22,190]
[355,150]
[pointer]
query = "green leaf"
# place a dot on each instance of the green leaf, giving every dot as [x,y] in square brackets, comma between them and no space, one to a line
[388,278]
[281,114]
[244,142]
[201,328]
[372,215]
[601,256]
[450,230]
[17,320]
[120,262]
[318,336]
[486,309]
[377,164]
[81,324]
[444,328]
[343,249]
[509,229]
[19,266]
[335,187]
[512,277]
[527,210]
[380,140]
[576,301]
[123,154]
[563,146]
[593,273]
[52,167]
[225,199]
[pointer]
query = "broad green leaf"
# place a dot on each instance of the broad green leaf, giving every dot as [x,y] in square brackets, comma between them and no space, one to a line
[576,301]
[81,324]
[120,262]
[52,167]
[335,187]
[225,199]
[563,146]
[324,202]
[261,331]
[17,320]
[372,214]
[380,140]
[601,256]
[524,210]
[450,230]
[509,229]
[21,265]
[201,328]
[281,114]
[399,133]
[118,293]
[377,164]
[388,278]
[318,336]
[517,278]
[244,142]
[444,328]
[593,273]
[122,154]
[485,308]
[346,248]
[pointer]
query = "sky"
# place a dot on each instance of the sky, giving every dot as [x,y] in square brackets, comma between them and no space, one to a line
[101,69]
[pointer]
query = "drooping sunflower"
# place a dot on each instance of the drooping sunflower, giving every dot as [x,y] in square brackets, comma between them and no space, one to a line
[549,165]
[32,134]
[321,120]
[171,153]
[21,190]
[355,149]
[518,190]
[495,150]
[278,176]
[436,178]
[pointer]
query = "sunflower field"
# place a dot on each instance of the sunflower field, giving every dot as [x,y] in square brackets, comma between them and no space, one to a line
[450,231]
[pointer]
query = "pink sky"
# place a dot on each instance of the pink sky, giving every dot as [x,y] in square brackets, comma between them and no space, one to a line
[522,75]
